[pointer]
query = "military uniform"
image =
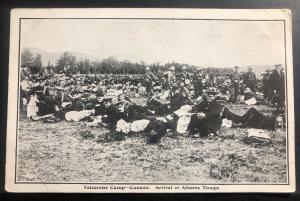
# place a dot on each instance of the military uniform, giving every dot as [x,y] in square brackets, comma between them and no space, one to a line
[252,118]
[158,107]
[171,78]
[212,121]
[250,80]
[165,84]
[149,77]
[277,83]
[47,105]
[198,86]
[177,101]
[184,76]
[266,86]
[236,77]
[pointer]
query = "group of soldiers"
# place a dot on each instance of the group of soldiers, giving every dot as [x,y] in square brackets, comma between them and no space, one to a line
[174,102]
[273,85]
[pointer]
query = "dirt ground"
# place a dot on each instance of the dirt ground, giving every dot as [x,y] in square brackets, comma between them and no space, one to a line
[58,152]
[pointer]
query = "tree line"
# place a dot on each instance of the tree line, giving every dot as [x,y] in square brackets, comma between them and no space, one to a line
[70,64]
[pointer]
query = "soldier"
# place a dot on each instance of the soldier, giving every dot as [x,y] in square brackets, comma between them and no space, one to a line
[171,78]
[149,77]
[252,119]
[250,79]
[248,94]
[266,85]
[184,90]
[236,78]
[206,119]
[178,99]
[198,85]
[185,75]
[277,87]
[164,83]
[171,75]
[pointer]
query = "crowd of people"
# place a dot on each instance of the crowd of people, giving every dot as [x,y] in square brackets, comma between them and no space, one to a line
[191,103]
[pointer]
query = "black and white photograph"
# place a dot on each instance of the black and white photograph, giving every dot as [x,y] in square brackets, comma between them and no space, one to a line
[150,100]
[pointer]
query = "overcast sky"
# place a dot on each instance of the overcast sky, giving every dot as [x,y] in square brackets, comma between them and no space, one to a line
[203,43]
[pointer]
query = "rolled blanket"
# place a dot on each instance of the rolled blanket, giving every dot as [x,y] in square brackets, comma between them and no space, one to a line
[78,115]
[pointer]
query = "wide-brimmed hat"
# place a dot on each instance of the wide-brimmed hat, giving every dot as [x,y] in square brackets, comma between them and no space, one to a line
[247,90]
[183,67]
[211,96]
[172,68]
[147,68]
[175,86]
[157,88]
[106,99]
[199,99]
[228,81]
[278,65]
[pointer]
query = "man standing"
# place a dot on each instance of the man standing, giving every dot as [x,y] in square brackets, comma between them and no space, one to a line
[198,85]
[236,78]
[171,78]
[171,75]
[149,77]
[266,85]
[185,75]
[250,79]
[277,86]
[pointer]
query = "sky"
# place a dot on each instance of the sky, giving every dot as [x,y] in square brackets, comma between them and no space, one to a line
[197,42]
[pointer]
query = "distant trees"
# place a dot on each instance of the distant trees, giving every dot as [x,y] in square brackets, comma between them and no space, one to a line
[36,65]
[219,71]
[68,63]
[49,68]
[31,61]
[26,58]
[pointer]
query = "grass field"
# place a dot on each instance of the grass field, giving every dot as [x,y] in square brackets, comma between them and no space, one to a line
[60,153]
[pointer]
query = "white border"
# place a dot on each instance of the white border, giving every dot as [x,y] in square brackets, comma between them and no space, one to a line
[259,14]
